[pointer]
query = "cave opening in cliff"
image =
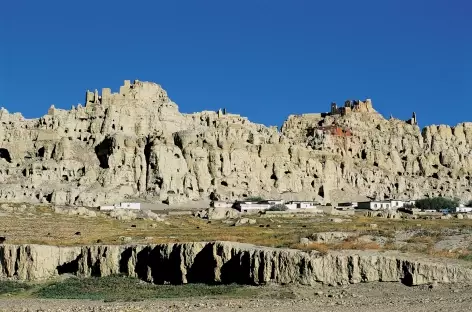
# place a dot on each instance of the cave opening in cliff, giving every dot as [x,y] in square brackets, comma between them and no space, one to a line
[214,196]
[71,267]
[364,154]
[321,192]
[103,151]
[41,152]
[5,154]
[147,159]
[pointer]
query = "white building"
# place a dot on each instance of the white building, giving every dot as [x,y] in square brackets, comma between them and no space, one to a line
[463,209]
[395,204]
[107,208]
[385,204]
[295,204]
[251,206]
[375,205]
[275,202]
[347,205]
[133,206]
[221,204]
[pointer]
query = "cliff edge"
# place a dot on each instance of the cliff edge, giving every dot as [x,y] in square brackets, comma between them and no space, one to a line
[224,262]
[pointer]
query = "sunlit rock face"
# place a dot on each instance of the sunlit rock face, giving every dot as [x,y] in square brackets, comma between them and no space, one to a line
[136,143]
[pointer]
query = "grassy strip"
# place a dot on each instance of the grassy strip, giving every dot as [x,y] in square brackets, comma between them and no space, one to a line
[11,287]
[118,288]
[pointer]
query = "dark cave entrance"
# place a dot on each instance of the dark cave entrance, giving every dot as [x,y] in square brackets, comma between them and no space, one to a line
[103,151]
[5,154]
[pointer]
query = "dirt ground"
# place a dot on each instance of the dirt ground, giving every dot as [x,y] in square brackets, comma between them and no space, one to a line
[438,238]
[40,225]
[378,297]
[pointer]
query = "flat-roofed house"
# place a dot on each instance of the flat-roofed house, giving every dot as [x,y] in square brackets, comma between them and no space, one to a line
[221,204]
[375,205]
[124,205]
[252,206]
[296,204]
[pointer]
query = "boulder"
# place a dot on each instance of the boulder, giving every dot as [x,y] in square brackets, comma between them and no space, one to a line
[331,237]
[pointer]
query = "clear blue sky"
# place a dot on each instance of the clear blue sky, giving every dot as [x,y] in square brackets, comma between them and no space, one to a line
[262,59]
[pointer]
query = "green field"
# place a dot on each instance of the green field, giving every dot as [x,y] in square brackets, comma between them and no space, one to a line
[119,288]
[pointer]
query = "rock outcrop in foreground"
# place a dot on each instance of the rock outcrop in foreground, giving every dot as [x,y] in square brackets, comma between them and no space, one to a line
[222,262]
[136,143]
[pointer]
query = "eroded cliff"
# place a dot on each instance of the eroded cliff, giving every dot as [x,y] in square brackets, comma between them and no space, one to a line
[223,262]
[136,143]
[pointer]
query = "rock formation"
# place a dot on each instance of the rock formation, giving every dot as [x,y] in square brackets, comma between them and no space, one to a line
[136,143]
[222,262]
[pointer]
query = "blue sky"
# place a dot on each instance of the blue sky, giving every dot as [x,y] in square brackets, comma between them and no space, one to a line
[262,59]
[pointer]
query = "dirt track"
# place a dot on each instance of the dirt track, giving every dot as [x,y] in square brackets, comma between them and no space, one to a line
[378,297]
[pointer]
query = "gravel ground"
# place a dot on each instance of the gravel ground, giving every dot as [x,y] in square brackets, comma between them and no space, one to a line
[378,297]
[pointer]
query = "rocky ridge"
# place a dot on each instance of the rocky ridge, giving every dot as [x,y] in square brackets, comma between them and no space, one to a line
[223,262]
[136,144]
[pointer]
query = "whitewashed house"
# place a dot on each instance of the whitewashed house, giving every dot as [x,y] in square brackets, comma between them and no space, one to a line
[347,205]
[124,205]
[107,208]
[221,204]
[295,204]
[375,205]
[135,206]
[275,202]
[462,209]
[251,206]
[409,203]
[395,203]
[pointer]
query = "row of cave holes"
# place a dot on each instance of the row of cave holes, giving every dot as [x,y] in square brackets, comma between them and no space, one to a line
[5,154]
[404,158]
[320,189]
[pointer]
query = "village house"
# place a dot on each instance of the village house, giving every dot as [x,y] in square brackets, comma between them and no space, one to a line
[347,205]
[375,205]
[463,209]
[124,205]
[221,204]
[385,204]
[275,202]
[395,203]
[295,204]
[252,206]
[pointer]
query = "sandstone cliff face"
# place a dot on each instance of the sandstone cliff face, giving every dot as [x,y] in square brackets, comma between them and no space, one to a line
[137,144]
[222,262]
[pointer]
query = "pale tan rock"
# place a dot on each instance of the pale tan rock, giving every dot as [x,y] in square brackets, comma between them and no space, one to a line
[330,237]
[136,143]
[383,214]
[219,213]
